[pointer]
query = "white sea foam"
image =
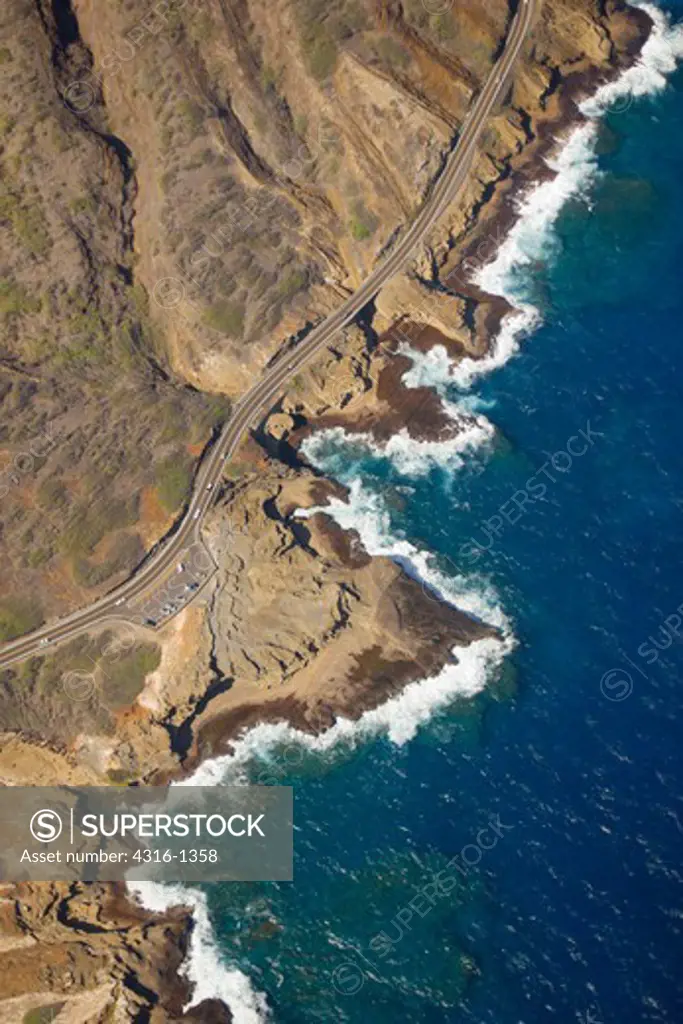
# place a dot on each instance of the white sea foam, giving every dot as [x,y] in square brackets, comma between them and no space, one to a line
[366,513]
[204,966]
[410,456]
[658,59]
[398,718]
[531,238]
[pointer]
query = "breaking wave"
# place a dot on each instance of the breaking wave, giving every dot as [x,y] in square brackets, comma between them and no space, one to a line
[409,456]
[532,238]
[204,966]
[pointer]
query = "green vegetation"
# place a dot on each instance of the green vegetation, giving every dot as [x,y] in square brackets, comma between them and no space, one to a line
[391,53]
[292,282]
[76,687]
[440,27]
[83,204]
[93,520]
[443,26]
[85,342]
[322,57]
[227,317]
[215,412]
[125,553]
[60,139]
[15,300]
[192,114]
[171,422]
[323,26]
[233,470]
[18,616]
[124,676]
[268,78]
[363,224]
[81,342]
[43,1014]
[51,493]
[173,481]
[201,28]
[27,222]
[359,230]
[38,557]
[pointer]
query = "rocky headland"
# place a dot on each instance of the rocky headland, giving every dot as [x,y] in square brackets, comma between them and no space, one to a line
[206,193]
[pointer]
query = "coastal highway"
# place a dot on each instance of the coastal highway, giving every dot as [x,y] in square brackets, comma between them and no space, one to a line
[251,407]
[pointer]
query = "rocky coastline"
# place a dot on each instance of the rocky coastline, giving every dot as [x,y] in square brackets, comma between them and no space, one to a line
[301,624]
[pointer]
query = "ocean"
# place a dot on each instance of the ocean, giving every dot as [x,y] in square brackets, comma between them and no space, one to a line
[503,843]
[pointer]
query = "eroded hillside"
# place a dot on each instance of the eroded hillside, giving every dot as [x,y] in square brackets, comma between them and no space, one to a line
[184,189]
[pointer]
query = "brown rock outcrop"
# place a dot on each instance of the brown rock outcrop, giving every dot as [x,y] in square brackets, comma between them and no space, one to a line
[87,954]
[211,156]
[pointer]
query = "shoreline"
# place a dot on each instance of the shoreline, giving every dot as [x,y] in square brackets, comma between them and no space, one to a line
[367,675]
[423,408]
[506,217]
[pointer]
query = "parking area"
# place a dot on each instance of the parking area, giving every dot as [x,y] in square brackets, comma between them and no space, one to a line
[194,569]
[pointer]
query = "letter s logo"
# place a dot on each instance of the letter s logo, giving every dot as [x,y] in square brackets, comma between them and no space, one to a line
[46,826]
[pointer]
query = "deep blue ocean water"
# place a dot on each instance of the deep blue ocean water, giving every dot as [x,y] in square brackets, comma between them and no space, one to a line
[575,912]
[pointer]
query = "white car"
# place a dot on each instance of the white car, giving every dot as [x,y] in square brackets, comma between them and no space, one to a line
[209,486]
[120,601]
[44,641]
[195,515]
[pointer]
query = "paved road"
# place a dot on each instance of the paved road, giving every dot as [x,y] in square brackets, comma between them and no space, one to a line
[251,407]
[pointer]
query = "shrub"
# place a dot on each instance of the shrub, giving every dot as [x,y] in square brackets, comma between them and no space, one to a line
[28,224]
[173,481]
[38,557]
[391,53]
[359,230]
[91,523]
[43,1014]
[124,676]
[15,300]
[126,552]
[227,317]
[291,283]
[18,616]
[363,224]
[322,58]
[215,411]
[51,493]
